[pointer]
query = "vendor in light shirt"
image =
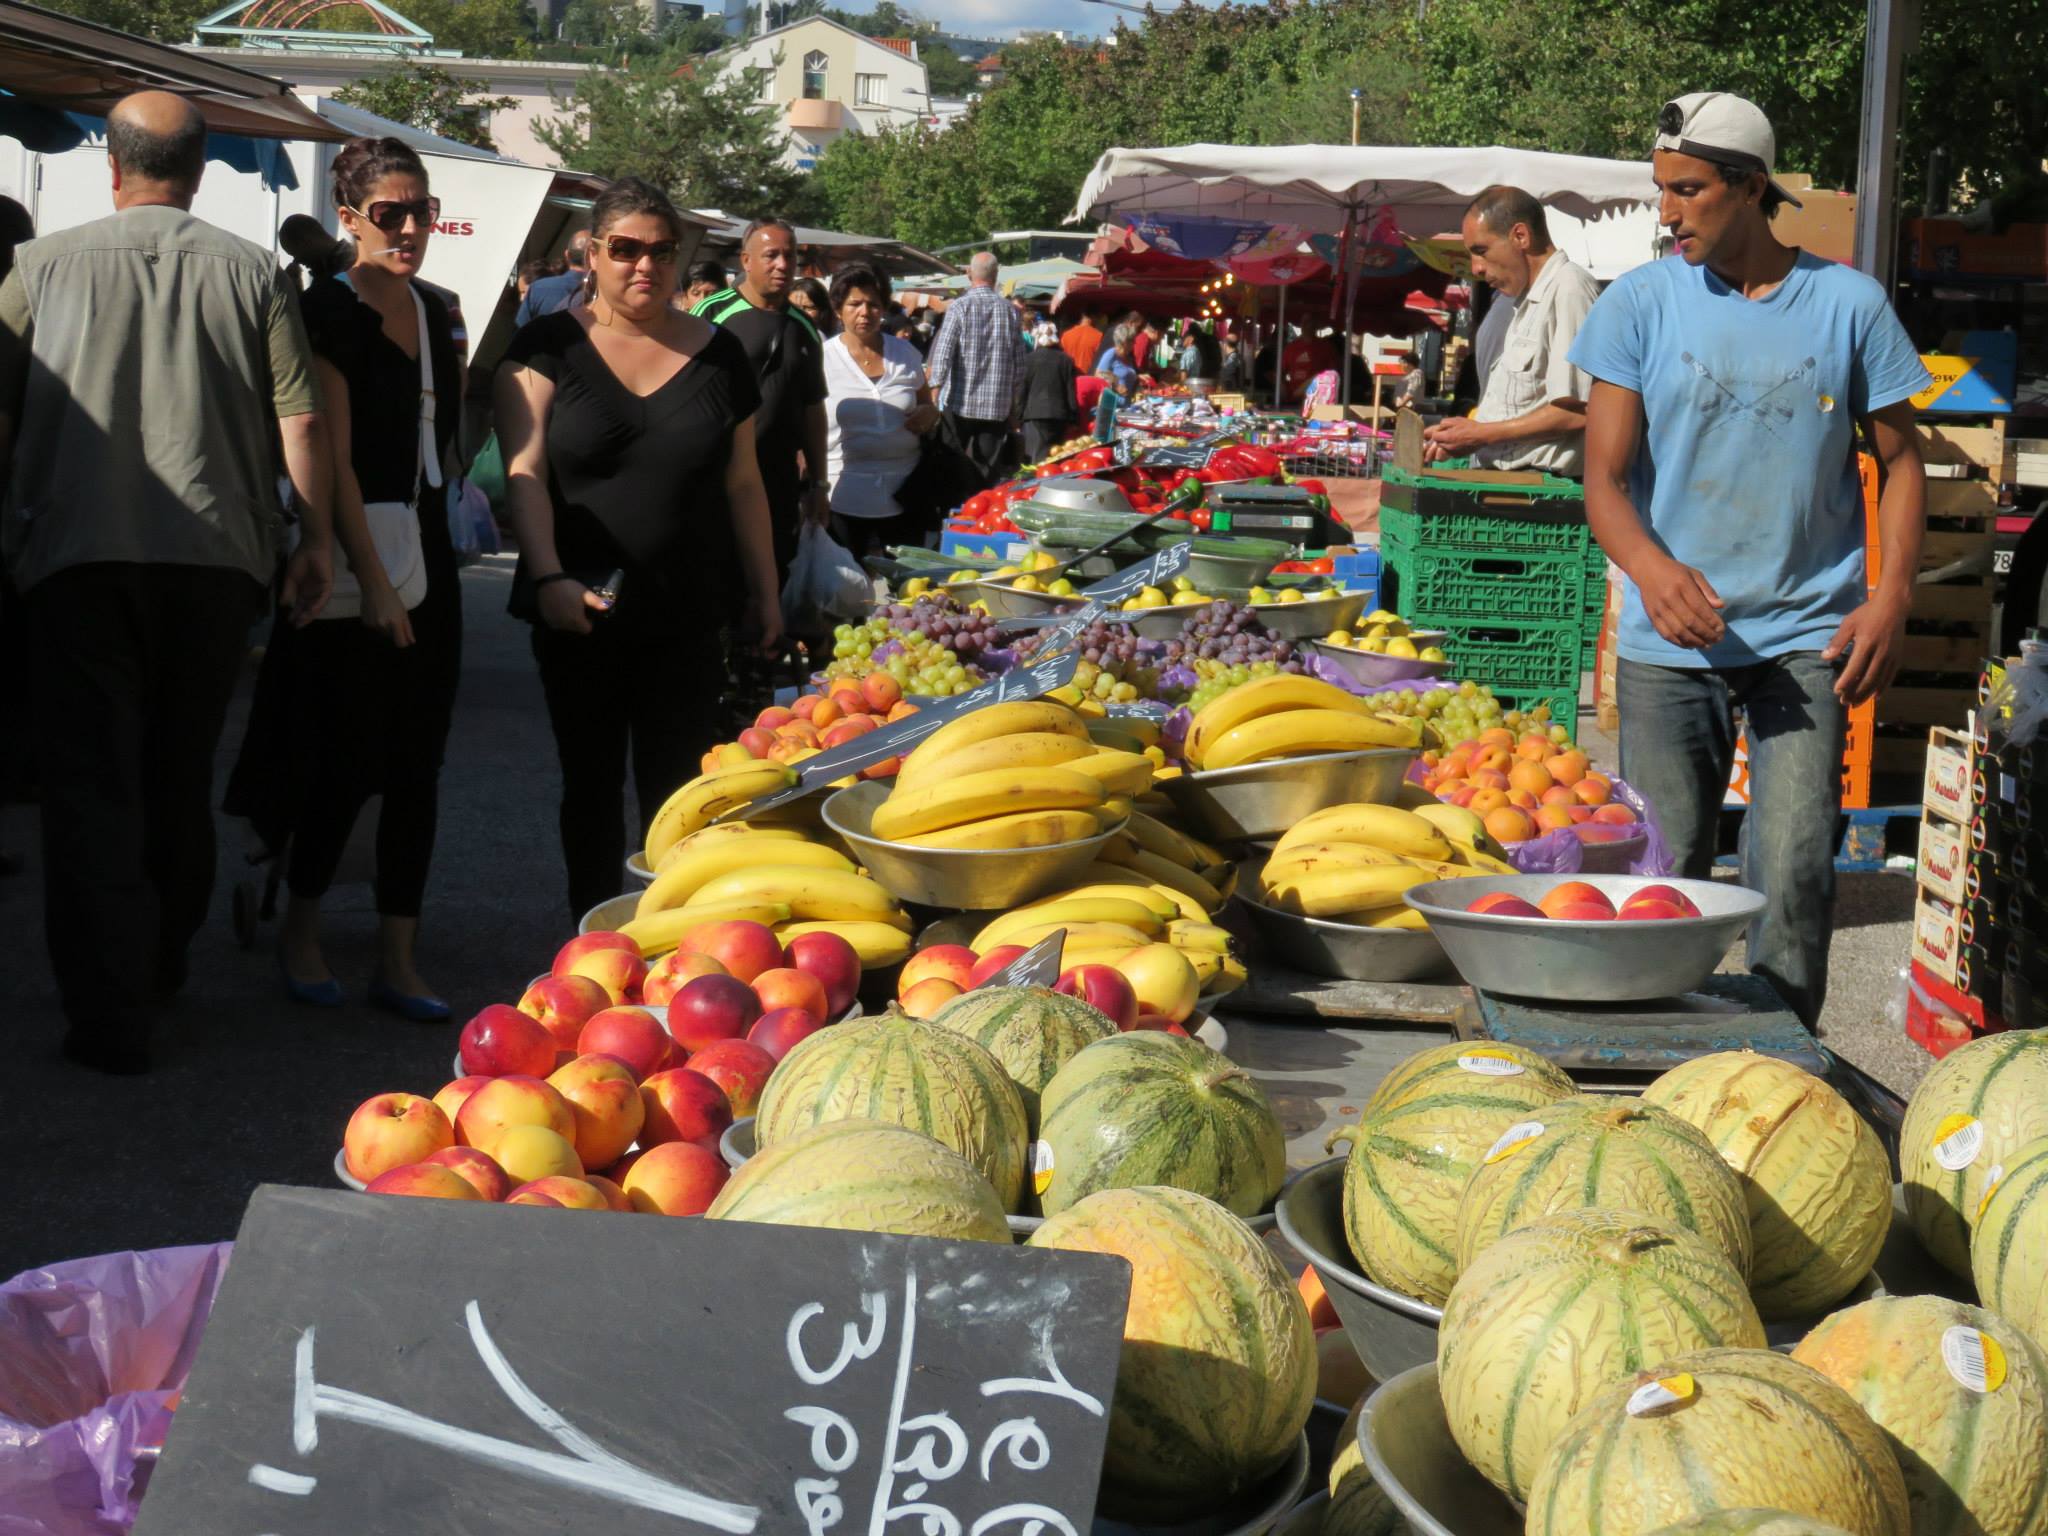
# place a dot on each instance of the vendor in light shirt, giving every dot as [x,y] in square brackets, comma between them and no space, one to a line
[1532,412]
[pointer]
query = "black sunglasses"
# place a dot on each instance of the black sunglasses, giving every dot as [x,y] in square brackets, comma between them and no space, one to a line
[391,216]
[627,250]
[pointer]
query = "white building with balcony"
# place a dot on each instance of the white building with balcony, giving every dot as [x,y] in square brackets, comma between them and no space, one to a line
[830,80]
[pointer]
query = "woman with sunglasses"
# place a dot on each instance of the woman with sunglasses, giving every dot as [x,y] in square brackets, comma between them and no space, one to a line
[631,481]
[354,706]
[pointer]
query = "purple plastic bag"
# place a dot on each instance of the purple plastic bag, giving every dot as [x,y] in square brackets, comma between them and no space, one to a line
[92,1355]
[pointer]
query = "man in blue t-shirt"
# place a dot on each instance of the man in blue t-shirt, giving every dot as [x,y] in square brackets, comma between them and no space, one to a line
[1721,478]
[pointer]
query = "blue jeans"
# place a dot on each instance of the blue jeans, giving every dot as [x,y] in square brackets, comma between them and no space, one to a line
[1677,749]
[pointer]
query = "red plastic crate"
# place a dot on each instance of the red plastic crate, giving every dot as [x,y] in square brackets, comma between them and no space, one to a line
[1939,1018]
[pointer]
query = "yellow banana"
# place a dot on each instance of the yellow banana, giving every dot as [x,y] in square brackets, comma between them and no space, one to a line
[1025,749]
[1142,729]
[1119,773]
[1013,719]
[1080,909]
[1452,820]
[1404,918]
[1379,826]
[1439,870]
[725,831]
[1302,733]
[1344,891]
[1261,697]
[1154,802]
[1191,938]
[1163,872]
[1019,829]
[1228,978]
[1102,872]
[1314,858]
[813,895]
[709,796]
[877,944]
[1481,861]
[660,932]
[1112,813]
[1413,797]
[978,796]
[1163,907]
[1156,837]
[1204,962]
[680,878]
[1206,854]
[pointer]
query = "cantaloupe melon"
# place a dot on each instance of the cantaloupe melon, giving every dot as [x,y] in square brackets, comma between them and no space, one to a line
[1032,1031]
[1423,1132]
[1358,1505]
[1559,1308]
[2009,1249]
[864,1176]
[1218,1369]
[1962,1393]
[1600,1152]
[1151,1108]
[908,1072]
[1751,1522]
[1814,1175]
[1718,1430]
[1972,1112]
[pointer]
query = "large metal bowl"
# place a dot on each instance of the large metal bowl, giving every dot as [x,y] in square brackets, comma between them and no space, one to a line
[1371,669]
[1161,623]
[1345,950]
[1306,1518]
[1241,571]
[1252,1513]
[1265,799]
[637,868]
[1595,962]
[341,1173]
[1410,1453]
[969,879]
[1008,602]
[1080,493]
[1391,1332]
[1311,617]
[609,916]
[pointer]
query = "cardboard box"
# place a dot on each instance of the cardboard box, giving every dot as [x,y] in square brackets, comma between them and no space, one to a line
[1943,248]
[1826,225]
[1937,936]
[1939,1018]
[1944,859]
[1945,787]
[1975,373]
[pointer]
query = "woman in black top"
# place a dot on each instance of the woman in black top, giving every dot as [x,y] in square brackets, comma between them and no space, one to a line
[1050,409]
[628,434]
[355,706]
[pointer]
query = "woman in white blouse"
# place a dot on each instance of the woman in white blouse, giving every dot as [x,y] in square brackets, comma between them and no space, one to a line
[877,406]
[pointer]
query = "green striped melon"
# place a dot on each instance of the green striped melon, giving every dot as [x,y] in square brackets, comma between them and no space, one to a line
[1740,1429]
[1974,1449]
[1814,1175]
[2009,1250]
[863,1176]
[1599,1152]
[1151,1108]
[1032,1031]
[1556,1310]
[1218,1370]
[1751,1522]
[1423,1132]
[1358,1505]
[906,1072]
[1973,1110]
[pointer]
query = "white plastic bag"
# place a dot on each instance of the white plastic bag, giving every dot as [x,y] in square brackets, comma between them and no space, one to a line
[825,584]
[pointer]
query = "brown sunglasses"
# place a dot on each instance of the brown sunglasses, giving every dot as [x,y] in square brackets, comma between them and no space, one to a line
[626,250]
[390,216]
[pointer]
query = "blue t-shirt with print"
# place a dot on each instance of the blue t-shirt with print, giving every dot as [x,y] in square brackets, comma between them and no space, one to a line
[1747,466]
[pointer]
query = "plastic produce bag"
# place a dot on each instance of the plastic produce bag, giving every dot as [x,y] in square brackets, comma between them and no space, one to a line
[469,513]
[93,1354]
[825,583]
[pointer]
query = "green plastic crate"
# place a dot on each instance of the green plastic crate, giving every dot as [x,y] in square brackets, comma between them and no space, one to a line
[1442,584]
[1563,699]
[1541,649]
[1439,512]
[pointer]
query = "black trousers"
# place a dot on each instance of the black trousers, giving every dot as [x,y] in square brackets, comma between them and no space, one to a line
[986,443]
[612,694]
[1041,437]
[134,666]
[863,536]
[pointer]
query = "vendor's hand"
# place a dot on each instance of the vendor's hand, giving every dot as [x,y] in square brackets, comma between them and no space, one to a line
[761,622]
[1681,603]
[921,418]
[567,606]
[308,581]
[817,506]
[1456,435]
[385,614]
[1870,635]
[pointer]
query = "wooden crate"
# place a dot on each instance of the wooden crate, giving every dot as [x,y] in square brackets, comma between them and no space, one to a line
[1977,448]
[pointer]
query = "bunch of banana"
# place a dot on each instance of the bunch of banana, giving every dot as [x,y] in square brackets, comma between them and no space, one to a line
[1288,716]
[707,797]
[1104,922]
[1353,863]
[1148,847]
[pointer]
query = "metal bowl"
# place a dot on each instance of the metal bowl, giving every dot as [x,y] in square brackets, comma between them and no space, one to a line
[1080,493]
[636,868]
[341,1173]
[1391,1332]
[1612,858]
[736,1144]
[1244,571]
[1008,602]
[1373,670]
[609,916]
[1312,616]
[1161,623]
[1265,799]
[1306,1518]
[1409,1450]
[1252,1513]
[969,879]
[1346,950]
[1576,962]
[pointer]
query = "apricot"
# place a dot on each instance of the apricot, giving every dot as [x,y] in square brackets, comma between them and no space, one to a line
[1494,759]
[804,707]
[1531,776]
[881,691]
[1489,778]
[773,716]
[1568,766]
[1521,799]
[1558,794]
[1535,749]
[825,713]
[1496,736]
[1485,802]
[902,709]
[1553,818]
[1614,813]
[756,740]
[1575,893]
[1593,789]
[1509,825]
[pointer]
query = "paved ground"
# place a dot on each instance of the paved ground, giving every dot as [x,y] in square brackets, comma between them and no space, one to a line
[251,1088]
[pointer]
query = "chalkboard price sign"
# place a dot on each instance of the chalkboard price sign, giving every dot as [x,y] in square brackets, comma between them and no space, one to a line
[388,1366]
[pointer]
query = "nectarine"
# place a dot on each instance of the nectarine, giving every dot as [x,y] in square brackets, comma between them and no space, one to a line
[564,1004]
[671,973]
[948,962]
[510,1101]
[568,1191]
[503,1042]
[479,1168]
[739,1067]
[682,1105]
[428,1181]
[1504,904]
[618,971]
[788,987]
[604,1096]
[710,1009]
[529,1152]
[1103,988]
[779,1030]
[833,961]
[992,962]
[632,1034]
[452,1095]
[928,997]
[677,1178]
[745,949]
[1570,892]
[391,1130]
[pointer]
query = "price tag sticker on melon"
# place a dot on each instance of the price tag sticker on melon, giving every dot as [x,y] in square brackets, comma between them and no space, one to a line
[1041,1167]
[1665,1392]
[1990,1188]
[1514,1138]
[1957,1141]
[1490,1061]
[1974,1358]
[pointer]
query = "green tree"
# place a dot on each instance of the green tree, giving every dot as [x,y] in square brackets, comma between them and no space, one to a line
[945,71]
[697,130]
[167,21]
[612,25]
[480,29]
[427,97]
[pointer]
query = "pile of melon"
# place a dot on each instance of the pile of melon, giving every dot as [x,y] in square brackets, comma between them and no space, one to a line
[1606,1266]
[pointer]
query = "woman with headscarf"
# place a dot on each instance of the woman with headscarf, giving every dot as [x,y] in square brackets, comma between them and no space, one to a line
[1049,409]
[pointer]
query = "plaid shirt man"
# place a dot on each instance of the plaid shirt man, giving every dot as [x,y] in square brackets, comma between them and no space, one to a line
[977,361]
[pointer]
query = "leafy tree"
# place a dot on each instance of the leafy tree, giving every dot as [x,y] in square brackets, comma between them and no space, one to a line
[681,33]
[427,97]
[481,29]
[945,71]
[167,21]
[612,25]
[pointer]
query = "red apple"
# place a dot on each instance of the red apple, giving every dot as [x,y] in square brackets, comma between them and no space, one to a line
[788,987]
[604,1095]
[617,971]
[740,1068]
[453,1095]
[744,949]
[948,962]
[777,1030]
[588,943]
[712,1008]
[427,1180]
[634,1035]
[479,1168]
[682,1105]
[564,1004]
[1102,987]
[1670,893]
[497,1106]
[677,1178]
[503,1042]
[833,961]
[390,1131]
[992,962]
[671,973]
[1502,904]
